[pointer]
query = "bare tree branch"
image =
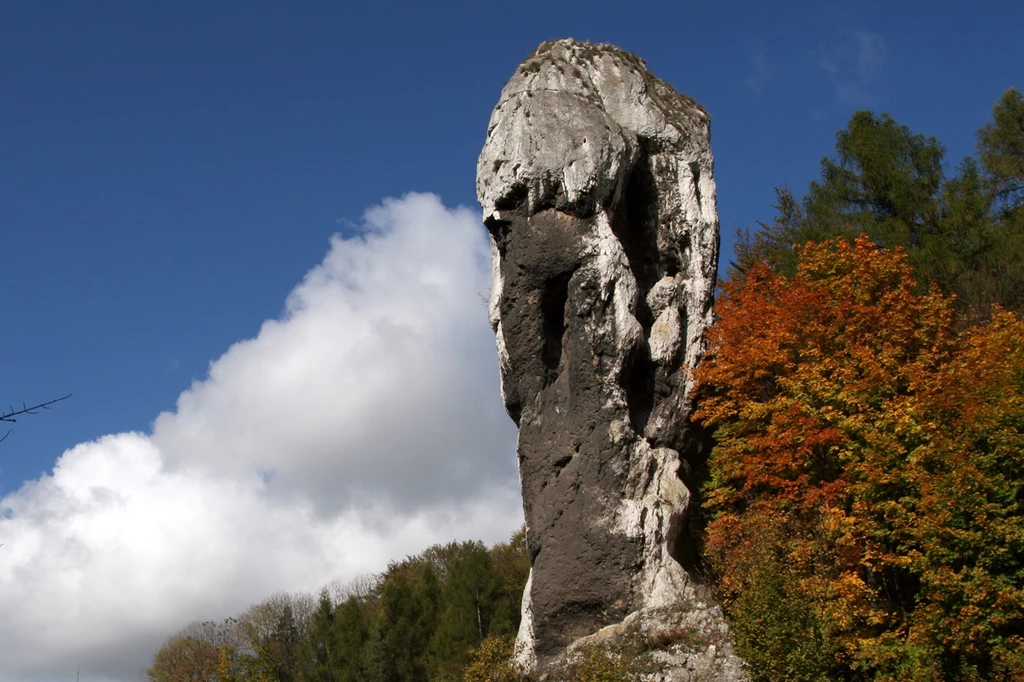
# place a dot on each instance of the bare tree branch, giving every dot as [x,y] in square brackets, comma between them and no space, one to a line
[11,413]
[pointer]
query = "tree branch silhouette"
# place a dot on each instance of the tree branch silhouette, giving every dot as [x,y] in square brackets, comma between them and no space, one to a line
[12,414]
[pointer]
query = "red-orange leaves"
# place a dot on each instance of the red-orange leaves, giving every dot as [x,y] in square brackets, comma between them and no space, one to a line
[799,369]
[867,471]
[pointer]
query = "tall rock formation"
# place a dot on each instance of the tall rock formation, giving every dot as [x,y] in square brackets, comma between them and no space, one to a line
[597,187]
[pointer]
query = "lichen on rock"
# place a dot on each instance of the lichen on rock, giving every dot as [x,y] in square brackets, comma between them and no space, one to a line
[597,187]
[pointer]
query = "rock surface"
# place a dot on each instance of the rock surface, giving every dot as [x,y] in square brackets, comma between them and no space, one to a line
[597,187]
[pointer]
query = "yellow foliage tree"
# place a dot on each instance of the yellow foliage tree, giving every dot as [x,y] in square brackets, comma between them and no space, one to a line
[866,478]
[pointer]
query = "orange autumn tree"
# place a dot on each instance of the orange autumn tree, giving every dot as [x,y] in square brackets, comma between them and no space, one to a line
[832,486]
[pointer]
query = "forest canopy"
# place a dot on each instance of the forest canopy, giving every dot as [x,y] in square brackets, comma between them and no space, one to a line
[419,620]
[865,389]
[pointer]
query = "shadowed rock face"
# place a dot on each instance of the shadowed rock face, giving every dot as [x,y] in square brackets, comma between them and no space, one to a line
[597,187]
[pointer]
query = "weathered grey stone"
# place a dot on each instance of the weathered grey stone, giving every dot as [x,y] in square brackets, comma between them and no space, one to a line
[597,186]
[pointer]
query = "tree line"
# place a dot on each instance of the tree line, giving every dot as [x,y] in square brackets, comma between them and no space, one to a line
[865,388]
[964,232]
[418,620]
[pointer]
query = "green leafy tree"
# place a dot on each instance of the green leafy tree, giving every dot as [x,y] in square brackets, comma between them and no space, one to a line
[884,181]
[270,631]
[234,665]
[781,632]
[191,655]
[963,254]
[1001,155]
[492,662]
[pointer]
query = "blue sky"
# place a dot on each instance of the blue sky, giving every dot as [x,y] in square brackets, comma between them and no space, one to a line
[172,171]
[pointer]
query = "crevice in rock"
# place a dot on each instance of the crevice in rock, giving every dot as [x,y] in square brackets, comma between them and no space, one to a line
[652,469]
[514,408]
[674,259]
[685,544]
[637,380]
[564,460]
[695,172]
[499,230]
[682,545]
[671,265]
[512,199]
[553,299]
[636,226]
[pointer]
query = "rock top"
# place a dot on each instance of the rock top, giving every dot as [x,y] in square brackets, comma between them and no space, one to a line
[597,186]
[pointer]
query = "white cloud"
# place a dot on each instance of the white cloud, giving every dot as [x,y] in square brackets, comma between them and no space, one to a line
[852,63]
[361,426]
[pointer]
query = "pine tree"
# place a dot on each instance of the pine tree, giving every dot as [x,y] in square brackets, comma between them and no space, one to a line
[467,605]
[286,642]
[1001,150]
[771,243]
[1001,153]
[965,233]
[406,617]
[316,648]
[883,182]
[350,637]
[511,562]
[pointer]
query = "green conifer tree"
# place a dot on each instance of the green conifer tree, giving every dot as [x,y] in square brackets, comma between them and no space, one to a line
[1001,150]
[511,562]
[316,648]
[965,233]
[286,634]
[406,617]
[883,182]
[467,605]
[350,637]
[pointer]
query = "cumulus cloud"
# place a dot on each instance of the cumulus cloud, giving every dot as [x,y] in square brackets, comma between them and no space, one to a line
[361,426]
[852,63]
